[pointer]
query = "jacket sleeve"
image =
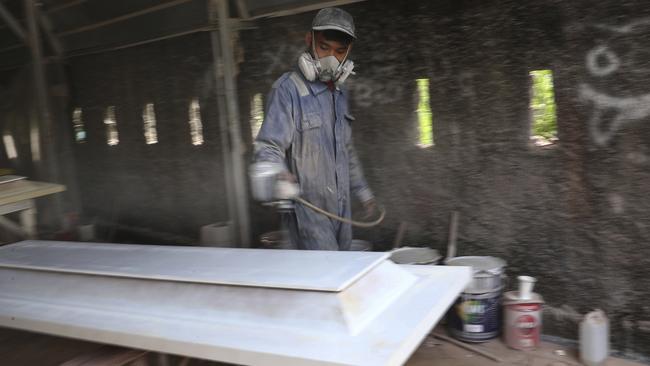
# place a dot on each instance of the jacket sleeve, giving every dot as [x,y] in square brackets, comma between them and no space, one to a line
[278,128]
[358,185]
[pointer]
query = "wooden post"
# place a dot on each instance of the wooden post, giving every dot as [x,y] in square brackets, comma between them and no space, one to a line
[45,125]
[236,181]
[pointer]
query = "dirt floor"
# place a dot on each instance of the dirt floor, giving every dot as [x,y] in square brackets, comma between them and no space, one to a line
[436,352]
[18,348]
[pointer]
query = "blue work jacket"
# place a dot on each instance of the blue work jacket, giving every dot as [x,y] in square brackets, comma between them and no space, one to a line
[307,128]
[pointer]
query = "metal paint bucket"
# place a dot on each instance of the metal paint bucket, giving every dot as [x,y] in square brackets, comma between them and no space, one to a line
[415,255]
[522,320]
[488,273]
[476,317]
[360,245]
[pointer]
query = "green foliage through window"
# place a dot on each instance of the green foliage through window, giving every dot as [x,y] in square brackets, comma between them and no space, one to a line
[542,104]
[425,117]
[257,114]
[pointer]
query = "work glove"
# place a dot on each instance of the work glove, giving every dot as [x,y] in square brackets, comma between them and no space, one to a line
[285,175]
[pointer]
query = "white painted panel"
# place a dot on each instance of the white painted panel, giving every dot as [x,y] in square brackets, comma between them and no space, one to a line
[293,269]
[378,320]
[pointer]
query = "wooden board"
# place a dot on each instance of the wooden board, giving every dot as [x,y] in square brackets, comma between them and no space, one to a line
[22,190]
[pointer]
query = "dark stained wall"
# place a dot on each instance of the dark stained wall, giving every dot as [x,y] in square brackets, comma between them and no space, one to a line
[169,189]
[575,215]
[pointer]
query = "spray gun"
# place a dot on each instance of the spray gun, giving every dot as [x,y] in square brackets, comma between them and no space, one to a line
[267,186]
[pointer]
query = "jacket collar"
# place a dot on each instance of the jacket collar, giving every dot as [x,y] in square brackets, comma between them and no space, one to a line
[317,86]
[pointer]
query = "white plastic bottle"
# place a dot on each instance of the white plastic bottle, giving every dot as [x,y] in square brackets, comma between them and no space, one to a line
[594,338]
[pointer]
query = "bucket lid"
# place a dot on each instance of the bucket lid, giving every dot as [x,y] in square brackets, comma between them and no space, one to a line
[491,265]
[512,298]
[414,255]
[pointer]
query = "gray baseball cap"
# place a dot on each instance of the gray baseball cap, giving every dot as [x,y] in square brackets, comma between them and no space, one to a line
[334,19]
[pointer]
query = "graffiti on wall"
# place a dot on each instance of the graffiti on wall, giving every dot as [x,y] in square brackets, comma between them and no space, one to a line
[611,112]
[376,85]
[281,59]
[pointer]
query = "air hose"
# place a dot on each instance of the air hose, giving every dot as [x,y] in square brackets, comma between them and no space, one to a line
[285,191]
[382,214]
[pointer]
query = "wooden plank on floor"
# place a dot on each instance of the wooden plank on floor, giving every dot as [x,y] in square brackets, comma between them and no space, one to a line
[107,356]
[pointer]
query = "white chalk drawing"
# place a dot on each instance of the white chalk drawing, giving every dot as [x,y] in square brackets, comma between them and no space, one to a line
[366,92]
[630,27]
[616,202]
[644,325]
[624,110]
[281,59]
[601,61]
[610,113]
[444,72]
[637,157]
[466,83]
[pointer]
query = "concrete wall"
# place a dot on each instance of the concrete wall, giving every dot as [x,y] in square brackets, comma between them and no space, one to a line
[574,215]
[158,193]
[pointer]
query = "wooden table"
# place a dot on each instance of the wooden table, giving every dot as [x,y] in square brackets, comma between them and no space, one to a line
[17,195]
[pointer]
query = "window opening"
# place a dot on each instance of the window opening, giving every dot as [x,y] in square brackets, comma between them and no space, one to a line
[10,146]
[257,114]
[112,135]
[149,121]
[196,127]
[425,117]
[78,124]
[542,107]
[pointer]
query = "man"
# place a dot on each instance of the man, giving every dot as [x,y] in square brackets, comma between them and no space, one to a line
[306,133]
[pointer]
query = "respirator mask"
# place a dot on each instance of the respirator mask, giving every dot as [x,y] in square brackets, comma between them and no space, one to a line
[326,69]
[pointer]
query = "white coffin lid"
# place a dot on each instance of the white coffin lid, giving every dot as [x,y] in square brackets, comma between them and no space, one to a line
[289,269]
[243,306]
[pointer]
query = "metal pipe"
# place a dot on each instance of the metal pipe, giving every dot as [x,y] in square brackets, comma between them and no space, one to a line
[65,6]
[12,23]
[206,28]
[238,24]
[303,9]
[139,43]
[53,9]
[123,17]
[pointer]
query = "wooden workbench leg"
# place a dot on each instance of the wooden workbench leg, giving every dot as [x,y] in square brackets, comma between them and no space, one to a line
[28,220]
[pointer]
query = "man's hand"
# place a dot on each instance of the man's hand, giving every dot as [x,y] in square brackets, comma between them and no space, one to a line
[370,208]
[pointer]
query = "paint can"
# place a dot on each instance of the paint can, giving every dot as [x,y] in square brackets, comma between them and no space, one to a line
[522,320]
[360,245]
[488,273]
[476,315]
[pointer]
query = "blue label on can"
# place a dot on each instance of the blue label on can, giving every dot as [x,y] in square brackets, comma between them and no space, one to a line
[476,317]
